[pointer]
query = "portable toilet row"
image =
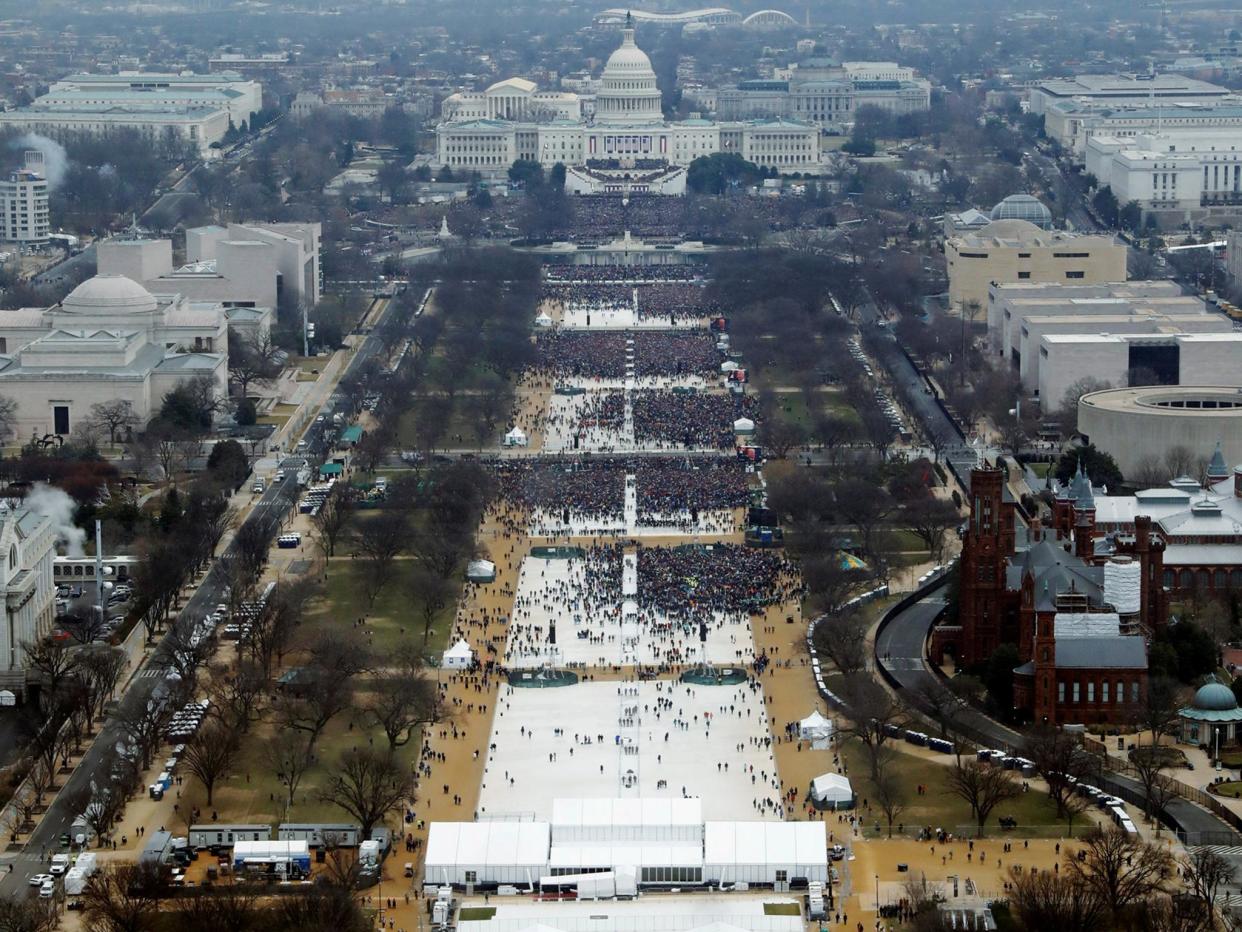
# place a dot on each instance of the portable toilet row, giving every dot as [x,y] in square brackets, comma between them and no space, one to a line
[80,873]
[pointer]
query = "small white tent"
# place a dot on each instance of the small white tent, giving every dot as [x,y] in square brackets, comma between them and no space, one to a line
[743,425]
[816,729]
[481,571]
[516,438]
[458,657]
[543,320]
[729,366]
[832,791]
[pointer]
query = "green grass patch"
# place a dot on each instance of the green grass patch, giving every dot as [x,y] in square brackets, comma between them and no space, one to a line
[939,806]
[778,909]
[392,620]
[1232,789]
[1040,469]
[1231,759]
[476,913]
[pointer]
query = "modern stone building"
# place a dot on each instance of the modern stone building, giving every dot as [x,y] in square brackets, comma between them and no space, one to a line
[243,265]
[1019,251]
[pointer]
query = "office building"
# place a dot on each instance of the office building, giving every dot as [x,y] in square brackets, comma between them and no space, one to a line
[24,216]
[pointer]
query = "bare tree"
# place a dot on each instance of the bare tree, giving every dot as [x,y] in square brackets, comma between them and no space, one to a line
[1054,900]
[400,703]
[209,755]
[430,592]
[254,359]
[184,651]
[1206,873]
[100,666]
[871,713]
[929,519]
[289,756]
[144,723]
[889,788]
[124,897]
[236,692]
[843,640]
[327,686]
[1061,760]
[333,518]
[50,663]
[23,914]
[983,788]
[378,540]
[368,785]
[115,418]
[1120,869]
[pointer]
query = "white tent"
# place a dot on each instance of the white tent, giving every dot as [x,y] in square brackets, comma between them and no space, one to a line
[494,852]
[729,366]
[481,571]
[516,438]
[743,425]
[458,657]
[543,320]
[815,728]
[7,697]
[832,791]
[753,852]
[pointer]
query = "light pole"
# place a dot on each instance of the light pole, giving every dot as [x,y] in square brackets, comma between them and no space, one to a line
[877,896]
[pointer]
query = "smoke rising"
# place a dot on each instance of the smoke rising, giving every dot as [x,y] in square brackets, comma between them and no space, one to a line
[46,500]
[55,158]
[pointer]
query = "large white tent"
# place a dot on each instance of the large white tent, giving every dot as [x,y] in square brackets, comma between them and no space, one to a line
[516,438]
[487,853]
[755,852]
[458,657]
[481,571]
[815,727]
[642,819]
[743,425]
[832,791]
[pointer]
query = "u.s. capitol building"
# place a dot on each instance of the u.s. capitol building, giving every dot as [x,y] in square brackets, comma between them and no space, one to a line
[487,131]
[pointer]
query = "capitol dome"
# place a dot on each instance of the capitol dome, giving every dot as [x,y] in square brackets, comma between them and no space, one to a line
[109,294]
[628,93]
[1214,696]
[1023,207]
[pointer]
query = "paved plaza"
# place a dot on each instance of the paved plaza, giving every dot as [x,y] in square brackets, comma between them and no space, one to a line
[631,739]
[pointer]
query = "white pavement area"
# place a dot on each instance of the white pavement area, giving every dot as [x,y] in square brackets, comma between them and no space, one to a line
[665,913]
[585,317]
[601,628]
[572,741]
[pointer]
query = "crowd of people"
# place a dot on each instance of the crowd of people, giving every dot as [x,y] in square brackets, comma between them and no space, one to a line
[668,486]
[591,489]
[697,420]
[586,489]
[683,352]
[565,354]
[603,354]
[702,583]
[600,295]
[622,273]
[676,301]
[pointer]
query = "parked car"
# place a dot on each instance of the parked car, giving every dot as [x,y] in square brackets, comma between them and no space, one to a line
[39,880]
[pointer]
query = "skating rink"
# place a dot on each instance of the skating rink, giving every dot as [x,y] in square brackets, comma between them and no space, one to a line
[600,739]
[604,629]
